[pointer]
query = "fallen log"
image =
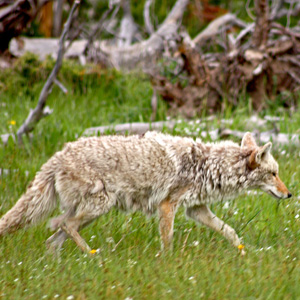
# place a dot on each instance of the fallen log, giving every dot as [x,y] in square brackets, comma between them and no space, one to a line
[130,128]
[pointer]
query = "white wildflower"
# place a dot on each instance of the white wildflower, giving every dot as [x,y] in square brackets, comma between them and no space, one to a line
[110,240]
[195,243]
[226,205]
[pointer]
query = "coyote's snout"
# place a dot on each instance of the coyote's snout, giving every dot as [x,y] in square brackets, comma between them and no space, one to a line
[151,173]
[275,187]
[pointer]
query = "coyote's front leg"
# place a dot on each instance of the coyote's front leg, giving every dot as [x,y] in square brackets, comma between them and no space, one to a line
[204,215]
[166,214]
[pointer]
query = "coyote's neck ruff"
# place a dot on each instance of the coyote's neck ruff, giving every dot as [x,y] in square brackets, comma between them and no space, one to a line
[148,173]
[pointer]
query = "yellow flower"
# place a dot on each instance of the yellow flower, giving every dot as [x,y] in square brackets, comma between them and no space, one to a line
[241,247]
[12,122]
[93,251]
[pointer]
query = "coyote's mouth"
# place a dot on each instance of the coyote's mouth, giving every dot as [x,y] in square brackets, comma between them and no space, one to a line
[273,194]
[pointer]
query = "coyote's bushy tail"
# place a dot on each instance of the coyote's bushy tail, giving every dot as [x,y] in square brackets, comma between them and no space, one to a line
[35,204]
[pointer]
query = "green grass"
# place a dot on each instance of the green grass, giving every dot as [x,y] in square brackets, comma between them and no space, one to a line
[203,264]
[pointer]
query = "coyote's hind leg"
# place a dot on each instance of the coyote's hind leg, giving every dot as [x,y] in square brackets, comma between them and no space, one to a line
[73,233]
[67,229]
[74,219]
[56,240]
[87,210]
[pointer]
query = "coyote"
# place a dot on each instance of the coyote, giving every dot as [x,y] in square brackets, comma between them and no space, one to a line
[154,172]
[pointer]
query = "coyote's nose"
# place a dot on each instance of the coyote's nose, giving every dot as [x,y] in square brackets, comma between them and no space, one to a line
[289,195]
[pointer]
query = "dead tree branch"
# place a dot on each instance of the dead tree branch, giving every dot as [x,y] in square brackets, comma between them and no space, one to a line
[147,19]
[145,52]
[260,35]
[214,27]
[40,110]
[94,34]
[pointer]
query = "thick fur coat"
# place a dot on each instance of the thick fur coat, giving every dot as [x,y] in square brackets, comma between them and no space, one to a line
[153,172]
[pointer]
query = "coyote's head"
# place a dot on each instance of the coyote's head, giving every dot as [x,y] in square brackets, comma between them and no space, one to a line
[264,169]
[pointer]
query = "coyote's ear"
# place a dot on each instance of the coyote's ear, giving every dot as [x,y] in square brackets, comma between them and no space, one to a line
[263,152]
[258,155]
[248,141]
[252,163]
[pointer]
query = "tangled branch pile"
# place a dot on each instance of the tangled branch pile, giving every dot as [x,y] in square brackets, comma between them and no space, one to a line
[262,60]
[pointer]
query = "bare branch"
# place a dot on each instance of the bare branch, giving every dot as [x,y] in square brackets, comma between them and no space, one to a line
[214,27]
[128,28]
[260,35]
[61,86]
[284,12]
[99,27]
[58,18]
[248,10]
[276,6]
[144,52]
[147,19]
[288,21]
[39,112]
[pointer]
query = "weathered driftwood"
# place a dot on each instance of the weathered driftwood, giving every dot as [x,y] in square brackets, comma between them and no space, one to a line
[214,27]
[147,19]
[131,128]
[44,47]
[57,22]
[144,53]
[266,136]
[215,134]
[248,65]
[128,28]
[125,56]
[40,111]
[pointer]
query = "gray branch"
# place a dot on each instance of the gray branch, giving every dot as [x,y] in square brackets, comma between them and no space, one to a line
[144,52]
[214,27]
[147,19]
[40,110]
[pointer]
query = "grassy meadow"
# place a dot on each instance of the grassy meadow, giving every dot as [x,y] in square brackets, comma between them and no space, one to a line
[203,264]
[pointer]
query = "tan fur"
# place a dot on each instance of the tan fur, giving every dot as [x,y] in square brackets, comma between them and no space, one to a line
[151,173]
